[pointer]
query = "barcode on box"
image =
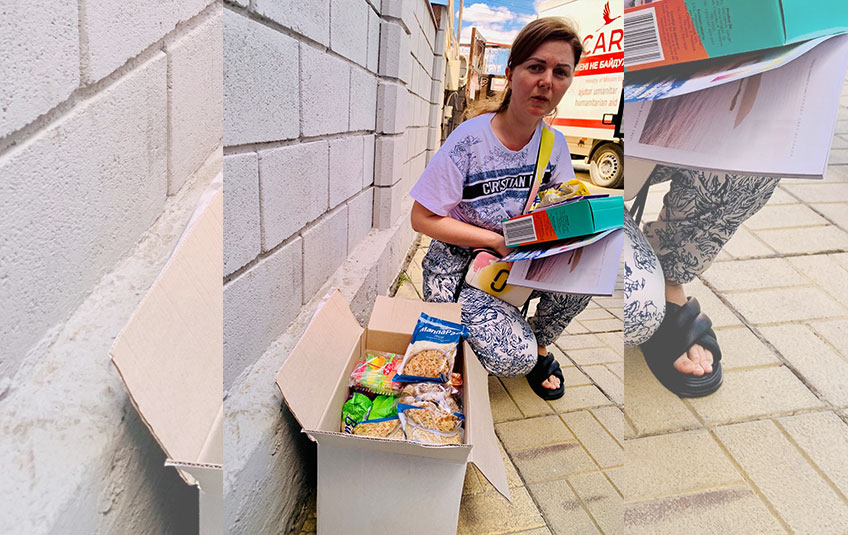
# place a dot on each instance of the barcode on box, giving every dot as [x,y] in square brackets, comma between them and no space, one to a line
[641,38]
[519,231]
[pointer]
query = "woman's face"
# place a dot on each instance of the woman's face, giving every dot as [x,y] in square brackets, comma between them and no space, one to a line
[539,83]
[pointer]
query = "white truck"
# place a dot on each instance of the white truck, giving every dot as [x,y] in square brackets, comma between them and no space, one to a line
[589,114]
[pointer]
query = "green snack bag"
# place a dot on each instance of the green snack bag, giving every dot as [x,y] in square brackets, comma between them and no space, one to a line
[354,411]
[383,407]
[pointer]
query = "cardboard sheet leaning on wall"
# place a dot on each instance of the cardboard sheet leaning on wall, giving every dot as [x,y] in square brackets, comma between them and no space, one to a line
[170,357]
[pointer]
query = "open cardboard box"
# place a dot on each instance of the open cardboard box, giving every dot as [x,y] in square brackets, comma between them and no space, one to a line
[373,486]
[170,353]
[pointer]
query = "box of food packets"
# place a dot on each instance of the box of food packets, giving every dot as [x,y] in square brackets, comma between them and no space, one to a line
[407,482]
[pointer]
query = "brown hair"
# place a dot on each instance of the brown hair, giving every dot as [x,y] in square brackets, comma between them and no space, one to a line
[526,42]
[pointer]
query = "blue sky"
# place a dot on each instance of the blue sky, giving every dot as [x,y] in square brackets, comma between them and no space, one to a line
[498,20]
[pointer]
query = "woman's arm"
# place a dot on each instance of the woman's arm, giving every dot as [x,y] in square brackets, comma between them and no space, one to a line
[455,232]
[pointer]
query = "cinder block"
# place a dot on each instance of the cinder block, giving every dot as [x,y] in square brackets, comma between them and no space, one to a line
[395,58]
[294,189]
[375,4]
[74,199]
[368,148]
[392,108]
[440,42]
[387,205]
[437,91]
[422,112]
[435,119]
[360,214]
[261,100]
[390,154]
[349,29]
[373,40]
[404,10]
[113,32]
[40,63]
[346,168]
[434,138]
[241,210]
[438,66]
[195,106]
[363,99]
[310,19]
[324,250]
[324,111]
[259,305]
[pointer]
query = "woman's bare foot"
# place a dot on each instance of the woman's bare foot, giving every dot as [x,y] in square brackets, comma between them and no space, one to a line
[697,361]
[552,382]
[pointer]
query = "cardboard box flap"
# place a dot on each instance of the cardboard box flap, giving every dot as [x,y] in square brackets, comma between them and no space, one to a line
[209,477]
[396,315]
[480,426]
[308,378]
[170,353]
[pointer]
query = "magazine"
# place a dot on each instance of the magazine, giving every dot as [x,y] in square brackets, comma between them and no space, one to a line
[589,270]
[656,84]
[550,249]
[776,123]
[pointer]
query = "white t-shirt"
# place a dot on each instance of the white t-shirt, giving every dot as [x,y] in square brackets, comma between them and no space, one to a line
[474,178]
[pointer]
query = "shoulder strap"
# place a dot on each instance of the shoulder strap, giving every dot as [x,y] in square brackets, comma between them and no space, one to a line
[546,146]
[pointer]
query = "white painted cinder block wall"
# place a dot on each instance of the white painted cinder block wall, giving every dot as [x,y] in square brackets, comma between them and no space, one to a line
[110,126]
[331,109]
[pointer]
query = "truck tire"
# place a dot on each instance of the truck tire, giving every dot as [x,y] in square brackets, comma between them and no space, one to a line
[606,168]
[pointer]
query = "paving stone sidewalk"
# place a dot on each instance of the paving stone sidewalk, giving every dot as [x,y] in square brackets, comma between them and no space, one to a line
[767,452]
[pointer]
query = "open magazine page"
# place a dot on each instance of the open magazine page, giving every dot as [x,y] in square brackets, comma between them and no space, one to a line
[777,123]
[589,270]
[656,84]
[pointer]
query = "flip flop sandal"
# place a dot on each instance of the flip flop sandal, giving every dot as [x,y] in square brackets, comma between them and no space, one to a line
[681,328]
[544,368]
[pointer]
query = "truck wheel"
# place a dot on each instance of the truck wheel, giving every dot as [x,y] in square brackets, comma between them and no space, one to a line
[606,168]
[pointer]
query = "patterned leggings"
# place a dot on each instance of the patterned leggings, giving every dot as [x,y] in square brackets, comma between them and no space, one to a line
[502,339]
[700,213]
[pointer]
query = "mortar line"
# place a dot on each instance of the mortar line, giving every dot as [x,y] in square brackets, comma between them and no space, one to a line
[583,504]
[761,337]
[86,92]
[300,140]
[756,489]
[811,462]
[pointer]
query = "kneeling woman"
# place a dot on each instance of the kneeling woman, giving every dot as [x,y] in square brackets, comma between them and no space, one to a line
[482,175]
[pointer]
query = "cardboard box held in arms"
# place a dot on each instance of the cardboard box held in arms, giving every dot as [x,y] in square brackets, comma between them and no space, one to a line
[417,486]
[170,354]
[567,220]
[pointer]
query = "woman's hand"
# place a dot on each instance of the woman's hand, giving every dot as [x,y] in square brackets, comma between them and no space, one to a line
[450,230]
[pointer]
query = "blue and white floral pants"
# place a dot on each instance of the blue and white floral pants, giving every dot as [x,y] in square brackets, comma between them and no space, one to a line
[700,213]
[503,340]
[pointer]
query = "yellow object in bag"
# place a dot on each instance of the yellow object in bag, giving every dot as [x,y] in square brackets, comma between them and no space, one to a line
[487,272]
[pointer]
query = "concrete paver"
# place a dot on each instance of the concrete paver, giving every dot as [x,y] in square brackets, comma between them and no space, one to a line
[742,349]
[601,498]
[595,439]
[744,244]
[748,394]
[552,462]
[823,437]
[489,513]
[817,362]
[607,381]
[562,507]
[730,510]
[674,463]
[785,305]
[580,397]
[795,489]
[533,432]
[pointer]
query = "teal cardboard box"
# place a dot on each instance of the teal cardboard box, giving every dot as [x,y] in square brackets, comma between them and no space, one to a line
[578,218]
[677,31]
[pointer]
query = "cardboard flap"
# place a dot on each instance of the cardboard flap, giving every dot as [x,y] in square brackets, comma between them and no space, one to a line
[307,378]
[480,426]
[396,315]
[209,477]
[170,354]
